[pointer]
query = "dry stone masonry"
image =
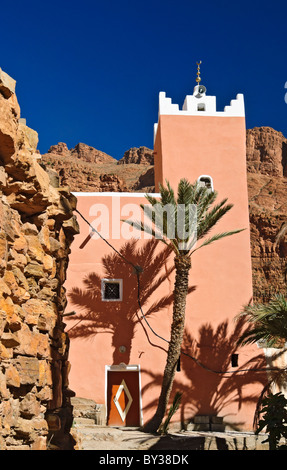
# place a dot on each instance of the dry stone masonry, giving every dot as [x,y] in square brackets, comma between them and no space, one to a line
[37,227]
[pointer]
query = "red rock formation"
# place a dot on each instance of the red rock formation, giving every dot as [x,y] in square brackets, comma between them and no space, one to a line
[59,149]
[145,182]
[267,187]
[81,151]
[86,169]
[141,155]
[90,154]
[266,151]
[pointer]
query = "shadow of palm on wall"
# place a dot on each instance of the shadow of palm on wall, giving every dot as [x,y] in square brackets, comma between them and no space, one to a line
[120,318]
[205,391]
[208,383]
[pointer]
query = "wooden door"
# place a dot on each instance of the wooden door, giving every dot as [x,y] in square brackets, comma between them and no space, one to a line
[123,401]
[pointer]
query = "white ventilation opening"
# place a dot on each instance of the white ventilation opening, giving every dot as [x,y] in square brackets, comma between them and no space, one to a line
[206,181]
[201,107]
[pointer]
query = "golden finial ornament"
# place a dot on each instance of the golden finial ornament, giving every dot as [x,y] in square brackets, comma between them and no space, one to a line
[198,79]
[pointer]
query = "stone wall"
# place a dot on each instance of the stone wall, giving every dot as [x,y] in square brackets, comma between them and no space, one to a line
[37,227]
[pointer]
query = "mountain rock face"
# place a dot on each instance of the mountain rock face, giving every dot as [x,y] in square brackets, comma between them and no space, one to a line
[90,154]
[81,151]
[86,169]
[266,151]
[59,149]
[267,188]
[37,227]
[141,155]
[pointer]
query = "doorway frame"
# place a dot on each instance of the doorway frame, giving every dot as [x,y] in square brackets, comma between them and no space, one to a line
[123,368]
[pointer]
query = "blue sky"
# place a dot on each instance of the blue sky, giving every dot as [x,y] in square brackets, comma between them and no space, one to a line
[91,71]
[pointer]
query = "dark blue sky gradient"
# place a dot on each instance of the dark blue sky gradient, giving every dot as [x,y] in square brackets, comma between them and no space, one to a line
[91,71]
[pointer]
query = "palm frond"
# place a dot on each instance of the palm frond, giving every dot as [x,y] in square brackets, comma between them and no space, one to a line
[173,221]
[163,217]
[268,322]
[185,192]
[143,227]
[204,198]
[151,231]
[218,236]
[167,194]
[210,219]
[152,200]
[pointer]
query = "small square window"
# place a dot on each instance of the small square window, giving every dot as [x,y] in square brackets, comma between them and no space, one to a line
[111,290]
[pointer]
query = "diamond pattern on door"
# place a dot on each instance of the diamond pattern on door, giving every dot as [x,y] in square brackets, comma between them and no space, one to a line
[123,398]
[123,389]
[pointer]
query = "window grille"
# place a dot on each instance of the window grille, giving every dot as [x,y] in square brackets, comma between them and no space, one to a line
[111,289]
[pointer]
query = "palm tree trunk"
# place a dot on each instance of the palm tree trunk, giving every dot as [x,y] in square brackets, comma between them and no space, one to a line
[182,267]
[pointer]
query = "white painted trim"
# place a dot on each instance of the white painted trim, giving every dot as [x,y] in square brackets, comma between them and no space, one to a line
[140,396]
[236,107]
[115,194]
[122,367]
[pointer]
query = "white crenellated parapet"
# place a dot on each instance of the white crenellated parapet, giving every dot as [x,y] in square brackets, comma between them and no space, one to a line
[200,105]
[165,105]
[236,107]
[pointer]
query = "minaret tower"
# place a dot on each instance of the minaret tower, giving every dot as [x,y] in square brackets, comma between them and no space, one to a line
[202,144]
[198,140]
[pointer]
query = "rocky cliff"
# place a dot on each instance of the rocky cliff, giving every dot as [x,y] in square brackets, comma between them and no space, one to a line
[83,171]
[266,151]
[141,156]
[37,226]
[267,187]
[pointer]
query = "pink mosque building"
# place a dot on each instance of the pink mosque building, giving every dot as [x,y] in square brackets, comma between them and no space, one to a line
[118,350]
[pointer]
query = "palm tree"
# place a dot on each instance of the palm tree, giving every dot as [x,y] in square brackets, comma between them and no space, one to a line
[268,322]
[183,240]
